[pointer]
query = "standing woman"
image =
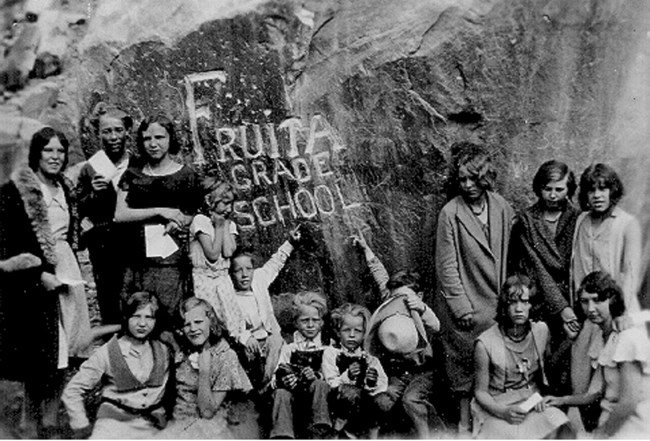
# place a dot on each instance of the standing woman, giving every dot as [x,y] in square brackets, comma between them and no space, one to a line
[606,239]
[97,198]
[541,247]
[471,252]
[43,310]
[160,191]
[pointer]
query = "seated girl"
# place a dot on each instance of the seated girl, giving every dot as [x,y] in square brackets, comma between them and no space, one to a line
[135,369]
[510,371]
[207,373]
[621,360]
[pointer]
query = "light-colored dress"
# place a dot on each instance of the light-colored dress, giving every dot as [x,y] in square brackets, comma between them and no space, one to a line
[613,246]
[630,345]
[515,369]
[226,375]
[74,324]
[211,279]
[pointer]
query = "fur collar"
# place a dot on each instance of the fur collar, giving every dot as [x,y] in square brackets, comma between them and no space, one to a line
[28,186]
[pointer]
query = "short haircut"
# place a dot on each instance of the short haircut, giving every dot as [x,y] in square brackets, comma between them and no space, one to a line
[309,298]
[217,329]
[409,278]
[136,301]
[477,161]
[512,290]
[350,309]
[42,138]
[103,109]
[554,171]
[600,175]
[605,287]
[164,122]
[243,251]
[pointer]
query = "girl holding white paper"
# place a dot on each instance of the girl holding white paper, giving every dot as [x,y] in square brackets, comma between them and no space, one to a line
[509,361]
[157,191]
[97,195]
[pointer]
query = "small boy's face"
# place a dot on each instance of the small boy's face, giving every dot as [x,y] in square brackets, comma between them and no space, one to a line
[351,332]
[242,273]
[309,322]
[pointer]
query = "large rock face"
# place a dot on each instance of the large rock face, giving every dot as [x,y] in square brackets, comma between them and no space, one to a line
[340,115]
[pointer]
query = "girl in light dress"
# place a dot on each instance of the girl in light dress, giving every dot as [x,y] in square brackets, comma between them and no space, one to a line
[214,240]
[208,375]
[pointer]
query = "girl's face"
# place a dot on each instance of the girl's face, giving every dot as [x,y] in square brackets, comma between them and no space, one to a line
[113,135]
[52,158]
[554,193]
[351,332]
[519,310]
[142,322]
[156,142]
[599,199]
[596,310]
[469,187]
[196,326]
[223,205]
[309,322]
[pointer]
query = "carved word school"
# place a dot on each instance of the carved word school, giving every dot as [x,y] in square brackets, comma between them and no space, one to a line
[265,156]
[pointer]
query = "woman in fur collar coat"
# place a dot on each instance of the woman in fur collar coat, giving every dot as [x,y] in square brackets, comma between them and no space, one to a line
[43,309]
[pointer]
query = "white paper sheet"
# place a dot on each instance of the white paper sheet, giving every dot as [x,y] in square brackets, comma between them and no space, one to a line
[531,402]
[103,165]
[158,244]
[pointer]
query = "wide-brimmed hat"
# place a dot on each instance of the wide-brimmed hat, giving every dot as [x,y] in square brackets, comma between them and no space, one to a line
[395,328]
[398,334]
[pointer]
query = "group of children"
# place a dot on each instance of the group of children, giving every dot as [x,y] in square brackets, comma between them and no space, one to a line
[229,342]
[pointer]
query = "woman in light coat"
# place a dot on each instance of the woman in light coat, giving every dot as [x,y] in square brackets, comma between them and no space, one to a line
[471,255]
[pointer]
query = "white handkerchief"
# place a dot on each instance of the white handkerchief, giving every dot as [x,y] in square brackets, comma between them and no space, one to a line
[103,165]
[158,244]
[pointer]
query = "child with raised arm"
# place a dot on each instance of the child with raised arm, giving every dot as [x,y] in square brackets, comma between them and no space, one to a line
[258,333]
[213,242]
[299,381]
[398,334]
[356,378]
[135,369]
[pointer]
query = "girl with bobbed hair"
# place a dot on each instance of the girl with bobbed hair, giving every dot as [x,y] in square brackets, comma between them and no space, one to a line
[473,236]
[606,239]
[134,369]
[510,369]
[97,197]
[39,227]
[621,362]
[208,376]
[157,193]
[541,245]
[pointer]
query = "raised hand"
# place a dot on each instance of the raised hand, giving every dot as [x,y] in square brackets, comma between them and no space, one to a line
[99,183]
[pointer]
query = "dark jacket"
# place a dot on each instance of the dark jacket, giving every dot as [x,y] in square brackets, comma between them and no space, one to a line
[28,313]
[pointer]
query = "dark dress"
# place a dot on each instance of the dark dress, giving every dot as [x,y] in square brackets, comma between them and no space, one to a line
[103,242]
[28,313]
[169,278]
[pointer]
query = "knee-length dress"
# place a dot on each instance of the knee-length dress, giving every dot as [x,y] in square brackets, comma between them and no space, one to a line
[169,278]
[515,372]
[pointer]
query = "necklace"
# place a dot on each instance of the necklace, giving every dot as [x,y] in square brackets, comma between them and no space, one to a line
[552,219]
[479,211]
[163,171]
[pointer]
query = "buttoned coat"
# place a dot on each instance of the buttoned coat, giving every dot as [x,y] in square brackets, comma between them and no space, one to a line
[470,269]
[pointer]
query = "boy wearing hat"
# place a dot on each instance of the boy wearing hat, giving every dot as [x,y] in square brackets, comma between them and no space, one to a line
[398,337]
[299,379]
